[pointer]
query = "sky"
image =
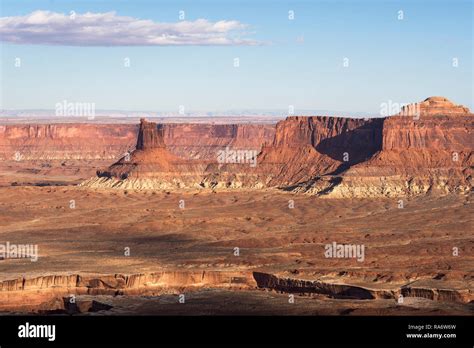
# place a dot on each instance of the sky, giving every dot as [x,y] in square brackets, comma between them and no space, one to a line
[348,56]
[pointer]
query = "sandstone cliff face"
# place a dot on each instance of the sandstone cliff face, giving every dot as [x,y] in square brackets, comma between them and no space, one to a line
[65,141]
[303,149]
[433,142]
[107,142]
[335,141]
[430,289]
[439,106]
[41,290]
[149,136]
[64,149]
[203,141]
[403,155]
[153,166]
[328,156]
[432,152]
[151,159]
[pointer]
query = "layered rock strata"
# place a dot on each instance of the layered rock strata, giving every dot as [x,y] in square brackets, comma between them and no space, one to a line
[429,151]
[49,142]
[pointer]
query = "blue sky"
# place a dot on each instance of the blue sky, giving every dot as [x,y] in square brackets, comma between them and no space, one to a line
[294,62]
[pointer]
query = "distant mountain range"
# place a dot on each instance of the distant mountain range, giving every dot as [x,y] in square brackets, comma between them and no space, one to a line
[43,113]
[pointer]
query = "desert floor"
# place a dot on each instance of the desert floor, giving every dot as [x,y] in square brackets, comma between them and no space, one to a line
[85,231]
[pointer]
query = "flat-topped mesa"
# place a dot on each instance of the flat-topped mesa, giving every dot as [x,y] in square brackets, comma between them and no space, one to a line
[305,147]
[434,106]
[315,130]
[438,124]
[149,136]
[431,151]
[336,137]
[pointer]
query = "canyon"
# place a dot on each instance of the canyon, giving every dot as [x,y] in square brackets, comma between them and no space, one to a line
[156,214]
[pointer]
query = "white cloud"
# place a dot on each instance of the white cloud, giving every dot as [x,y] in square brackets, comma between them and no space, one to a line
[109,29]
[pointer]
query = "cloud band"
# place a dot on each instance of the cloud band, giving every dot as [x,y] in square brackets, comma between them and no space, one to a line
[109,29]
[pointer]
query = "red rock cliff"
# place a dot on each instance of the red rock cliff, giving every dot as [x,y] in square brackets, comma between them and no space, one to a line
[109,141]
[149,136]
[429,152]
[66,141]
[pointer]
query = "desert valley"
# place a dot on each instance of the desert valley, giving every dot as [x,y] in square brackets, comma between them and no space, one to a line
[317,215]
